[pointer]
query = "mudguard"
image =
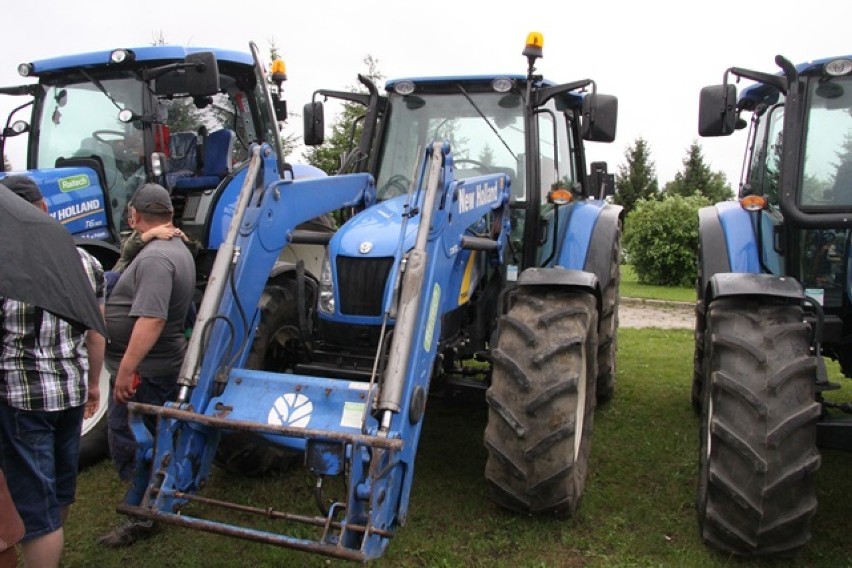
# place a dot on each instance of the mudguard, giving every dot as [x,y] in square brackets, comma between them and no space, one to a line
[746,284]
[586,238]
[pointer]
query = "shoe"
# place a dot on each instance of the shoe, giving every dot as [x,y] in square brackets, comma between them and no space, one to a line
[128,532]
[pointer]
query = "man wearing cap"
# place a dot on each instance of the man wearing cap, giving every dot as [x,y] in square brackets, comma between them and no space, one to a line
[49,373]
[145,315]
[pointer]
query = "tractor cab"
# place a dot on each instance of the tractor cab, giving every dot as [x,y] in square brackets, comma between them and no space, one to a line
[798,179]
[524,126]
[104,123]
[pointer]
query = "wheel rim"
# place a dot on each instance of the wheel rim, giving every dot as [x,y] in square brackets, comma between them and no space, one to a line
[103,385]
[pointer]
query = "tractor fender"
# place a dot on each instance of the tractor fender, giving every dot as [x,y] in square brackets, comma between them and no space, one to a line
[727,241]
[746,284]
[602,247]
[563,278]
[106,253]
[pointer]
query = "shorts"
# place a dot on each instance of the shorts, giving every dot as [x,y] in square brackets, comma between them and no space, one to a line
[40,453]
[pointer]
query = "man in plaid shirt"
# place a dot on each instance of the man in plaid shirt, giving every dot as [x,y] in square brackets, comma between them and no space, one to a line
[48,383]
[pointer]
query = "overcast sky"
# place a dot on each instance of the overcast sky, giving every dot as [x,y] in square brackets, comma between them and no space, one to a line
[654,56]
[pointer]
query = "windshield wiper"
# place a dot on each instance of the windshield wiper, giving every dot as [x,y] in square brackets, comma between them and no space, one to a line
[487,120]
[101,88]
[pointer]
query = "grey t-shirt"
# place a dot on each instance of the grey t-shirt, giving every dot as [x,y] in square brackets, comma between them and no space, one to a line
[158,283]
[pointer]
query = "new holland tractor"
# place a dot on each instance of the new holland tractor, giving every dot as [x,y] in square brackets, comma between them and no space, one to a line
[774,299]
[474,251]
[103,123]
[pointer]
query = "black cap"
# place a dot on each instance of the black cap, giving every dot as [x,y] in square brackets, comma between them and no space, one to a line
[152,198]
[23,186]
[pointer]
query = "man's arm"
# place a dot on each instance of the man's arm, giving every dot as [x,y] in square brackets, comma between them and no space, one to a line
[145,333]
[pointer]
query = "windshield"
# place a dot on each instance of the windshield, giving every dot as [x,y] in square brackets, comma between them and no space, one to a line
[80,119]
[827,175]
[480,145]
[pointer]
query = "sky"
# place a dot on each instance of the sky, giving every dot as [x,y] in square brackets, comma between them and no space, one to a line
[655,56]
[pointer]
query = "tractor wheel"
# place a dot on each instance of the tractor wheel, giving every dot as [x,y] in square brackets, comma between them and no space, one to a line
[758,456]
[542,401]
[276,347]
[698,357]
[94,445]
[608,334]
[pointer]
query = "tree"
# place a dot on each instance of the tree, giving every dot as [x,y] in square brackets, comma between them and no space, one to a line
[661,239]
[345,130]
[696,178]
[638,178]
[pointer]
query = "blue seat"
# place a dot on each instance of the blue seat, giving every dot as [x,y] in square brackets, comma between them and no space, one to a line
[218,162]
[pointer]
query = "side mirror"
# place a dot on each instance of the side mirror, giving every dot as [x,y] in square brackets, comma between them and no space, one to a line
[601,183]
[600,117]
[716,110]
[314,123]
[202,74]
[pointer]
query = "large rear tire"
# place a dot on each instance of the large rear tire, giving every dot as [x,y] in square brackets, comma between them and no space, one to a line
[275,348]
[758,454]
[608,334]
[542,401]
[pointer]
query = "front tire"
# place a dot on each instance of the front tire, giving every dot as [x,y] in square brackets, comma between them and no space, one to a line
[758,455]
[541,401]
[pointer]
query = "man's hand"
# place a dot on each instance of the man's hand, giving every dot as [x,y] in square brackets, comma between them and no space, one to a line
[93,402]
[124,388]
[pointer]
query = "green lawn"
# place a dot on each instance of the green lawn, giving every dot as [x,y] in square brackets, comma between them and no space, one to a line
[630,288]
[638,508]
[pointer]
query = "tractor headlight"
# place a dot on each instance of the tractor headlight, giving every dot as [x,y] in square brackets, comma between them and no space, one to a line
[326,286]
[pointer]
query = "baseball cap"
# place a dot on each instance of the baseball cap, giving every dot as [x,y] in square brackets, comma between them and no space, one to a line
[152,198]
[23,186]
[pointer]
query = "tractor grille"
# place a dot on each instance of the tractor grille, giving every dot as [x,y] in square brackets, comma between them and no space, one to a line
[361,284]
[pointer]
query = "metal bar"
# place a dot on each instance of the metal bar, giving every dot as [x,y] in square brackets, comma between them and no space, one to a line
[265,537]
[394,444]
[270,513]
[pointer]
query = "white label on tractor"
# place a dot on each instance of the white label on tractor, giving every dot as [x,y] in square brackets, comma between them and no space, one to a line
[291,410]
[817,294]
[481,194]
[353,412]
[433,316]
[355,386]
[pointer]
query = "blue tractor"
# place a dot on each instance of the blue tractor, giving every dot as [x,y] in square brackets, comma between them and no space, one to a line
[103,123]
[474,250]
[774,299]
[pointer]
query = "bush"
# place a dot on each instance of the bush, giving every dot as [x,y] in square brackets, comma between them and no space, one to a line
[661,239]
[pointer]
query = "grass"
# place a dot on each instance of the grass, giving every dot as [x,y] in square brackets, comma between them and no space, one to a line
[637,510]
[630,288]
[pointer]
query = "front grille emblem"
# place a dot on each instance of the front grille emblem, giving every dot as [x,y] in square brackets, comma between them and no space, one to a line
[365,247]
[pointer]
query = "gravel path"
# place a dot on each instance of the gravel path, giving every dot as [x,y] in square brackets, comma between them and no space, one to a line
[638,312]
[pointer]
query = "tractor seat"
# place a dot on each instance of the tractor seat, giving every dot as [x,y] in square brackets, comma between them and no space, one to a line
[218,162]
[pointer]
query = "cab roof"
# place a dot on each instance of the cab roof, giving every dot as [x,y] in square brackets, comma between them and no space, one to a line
[152,54]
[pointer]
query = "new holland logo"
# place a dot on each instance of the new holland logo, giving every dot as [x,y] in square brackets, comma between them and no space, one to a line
[365,247]
[291,410]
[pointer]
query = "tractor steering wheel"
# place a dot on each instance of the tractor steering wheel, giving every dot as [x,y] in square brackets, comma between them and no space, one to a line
[397,182]
[476,163]
[114,135]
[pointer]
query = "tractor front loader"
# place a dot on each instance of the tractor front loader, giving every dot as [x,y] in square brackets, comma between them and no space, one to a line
[363,430]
